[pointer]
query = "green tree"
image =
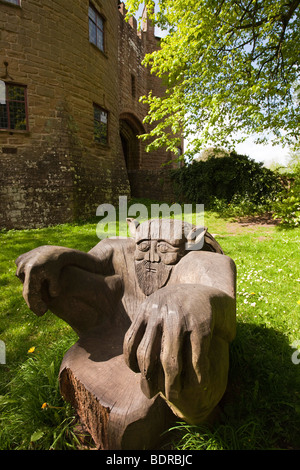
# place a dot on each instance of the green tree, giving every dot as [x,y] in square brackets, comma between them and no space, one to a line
[231,68]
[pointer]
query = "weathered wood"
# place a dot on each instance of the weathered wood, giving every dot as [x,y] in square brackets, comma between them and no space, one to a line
[154,319]
[108,399]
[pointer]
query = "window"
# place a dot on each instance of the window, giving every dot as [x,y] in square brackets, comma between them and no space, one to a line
[96,28]
[15,2]
[100,125]
[133,86]
[13,107]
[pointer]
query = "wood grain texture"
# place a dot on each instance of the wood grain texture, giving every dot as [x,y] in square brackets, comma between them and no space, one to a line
[107,396]
[154,319]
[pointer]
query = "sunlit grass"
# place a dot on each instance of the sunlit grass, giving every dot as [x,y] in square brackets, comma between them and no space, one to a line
[261,408]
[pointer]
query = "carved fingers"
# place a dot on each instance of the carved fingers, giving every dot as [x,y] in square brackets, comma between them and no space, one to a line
[172,352]
[132,341]
[39,272]
[152,347]
[148,355]
[165,344]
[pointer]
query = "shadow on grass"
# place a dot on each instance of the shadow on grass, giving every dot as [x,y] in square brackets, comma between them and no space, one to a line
[260,409]
[264,386]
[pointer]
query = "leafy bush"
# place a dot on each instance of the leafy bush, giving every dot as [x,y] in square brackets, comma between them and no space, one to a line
[240,206]
[288,209]
[287,205]
[232,178]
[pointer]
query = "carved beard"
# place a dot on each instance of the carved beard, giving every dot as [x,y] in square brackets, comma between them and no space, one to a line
[152,276]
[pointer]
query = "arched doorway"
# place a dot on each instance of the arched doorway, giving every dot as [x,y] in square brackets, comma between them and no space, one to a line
[130,128]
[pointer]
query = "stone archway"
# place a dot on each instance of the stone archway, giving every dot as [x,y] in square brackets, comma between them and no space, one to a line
[130,128]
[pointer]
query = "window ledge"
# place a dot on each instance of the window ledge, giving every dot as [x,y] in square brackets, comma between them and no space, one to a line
[97,49]
[103,146]
[14,131]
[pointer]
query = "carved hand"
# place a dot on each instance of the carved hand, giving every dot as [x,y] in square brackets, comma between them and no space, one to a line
[40,269]
[169,340]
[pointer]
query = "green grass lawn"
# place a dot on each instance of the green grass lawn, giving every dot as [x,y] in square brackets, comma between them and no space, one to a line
[261,408]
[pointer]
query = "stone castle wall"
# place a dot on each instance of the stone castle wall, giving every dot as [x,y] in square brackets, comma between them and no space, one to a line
[55,171]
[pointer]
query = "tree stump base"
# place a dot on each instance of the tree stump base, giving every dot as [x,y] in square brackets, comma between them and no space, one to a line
[108,399]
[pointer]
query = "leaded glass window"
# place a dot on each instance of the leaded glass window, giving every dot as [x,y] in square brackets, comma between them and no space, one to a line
[96,28]
[13,107]
[100,125]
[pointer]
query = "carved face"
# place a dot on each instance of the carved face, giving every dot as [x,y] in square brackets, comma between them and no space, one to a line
[158,248]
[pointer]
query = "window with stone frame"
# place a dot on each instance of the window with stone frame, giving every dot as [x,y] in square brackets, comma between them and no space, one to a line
[13,107]
[96,28]
[100,125]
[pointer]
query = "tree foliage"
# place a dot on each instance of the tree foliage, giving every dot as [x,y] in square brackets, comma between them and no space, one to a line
[231,68]
[287,204]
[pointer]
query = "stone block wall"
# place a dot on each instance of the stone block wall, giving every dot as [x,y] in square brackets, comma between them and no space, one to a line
[152,184]
[133,46]
[55,171]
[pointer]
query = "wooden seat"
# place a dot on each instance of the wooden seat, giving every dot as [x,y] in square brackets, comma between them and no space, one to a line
[108,398]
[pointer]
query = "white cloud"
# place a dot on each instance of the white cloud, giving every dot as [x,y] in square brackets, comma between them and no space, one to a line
[267,154]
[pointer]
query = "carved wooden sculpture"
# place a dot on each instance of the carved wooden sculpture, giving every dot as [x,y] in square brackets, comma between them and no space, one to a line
[154,319]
